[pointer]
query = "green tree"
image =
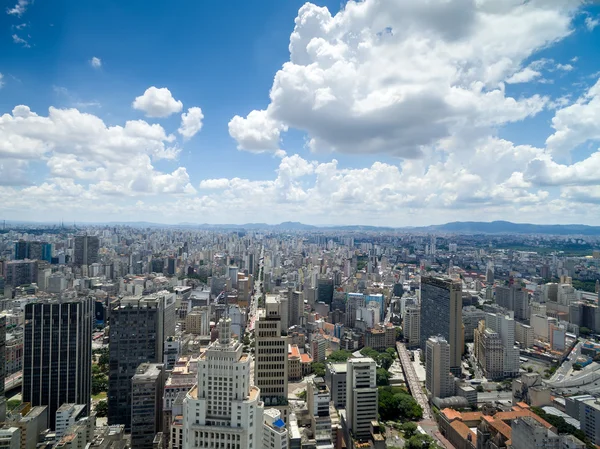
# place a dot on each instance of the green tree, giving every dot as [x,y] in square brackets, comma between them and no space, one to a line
[383,377]
[102,409]
[409,429]
[421,441]
[302,395]
[479,389]
[385,360]
[339,356]
[577,367]
[584,330]
[318,369]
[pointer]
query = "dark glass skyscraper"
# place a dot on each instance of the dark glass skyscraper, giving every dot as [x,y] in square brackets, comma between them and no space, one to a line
[57,359]
[138,328]
[86,249]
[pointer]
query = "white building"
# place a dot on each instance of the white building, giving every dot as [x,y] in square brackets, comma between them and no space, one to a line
[361,396]
[223,410]
[412,326]
[274,434]
[504,325]
[437,360]
[66,416]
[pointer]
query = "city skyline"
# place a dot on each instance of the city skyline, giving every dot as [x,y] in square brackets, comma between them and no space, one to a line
[415,120]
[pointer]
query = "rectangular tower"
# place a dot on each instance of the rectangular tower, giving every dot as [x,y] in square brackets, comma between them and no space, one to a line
[361,397]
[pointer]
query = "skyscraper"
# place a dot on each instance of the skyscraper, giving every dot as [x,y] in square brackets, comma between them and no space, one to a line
[20,272]
[437,362]
[361,396]
[2,367]
[146,404]
[223,410]
[505,327]
[86,249]
[441,314]
[57,360]
[21,250]
[270,365]
[139,326]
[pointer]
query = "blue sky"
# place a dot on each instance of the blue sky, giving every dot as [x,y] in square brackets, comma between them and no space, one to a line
[429,120]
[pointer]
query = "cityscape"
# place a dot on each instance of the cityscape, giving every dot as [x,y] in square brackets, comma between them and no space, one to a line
[300,224]
[180,338]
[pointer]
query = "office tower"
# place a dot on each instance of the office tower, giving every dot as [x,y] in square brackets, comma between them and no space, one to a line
[223,410]
[317,399]
[20,272]
[412,326]
[441,314]
[354,301]
[198,321]
[3,366]
[295,308]
[505,327]
[275,434]
[39,251]
[157,265]
[335,377]
[57,360]
[361,397]
[21,250]
[489,352]
[171,262]
[438,379]
[139,326]
[514,298]
[325,290]
[270,365]
[146,404]
[86,249]
[471,316]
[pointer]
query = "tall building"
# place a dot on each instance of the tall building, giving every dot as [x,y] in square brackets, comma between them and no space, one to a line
[57,360]
[146,404]
[39,251]
[317,399]
[139,326]
[438,379]
[412,326]
[223,410]
[514,298]
[275,434]
[21,250]
[295,308]
[20,272]
[441,314]
[325,290]
[3,366]
[361,397]
[354,301]
[335,377]
[270,364]
[504,325]
[489,352]
[86,249]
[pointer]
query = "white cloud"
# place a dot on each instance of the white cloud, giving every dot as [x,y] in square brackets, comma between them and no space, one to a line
[524,76]
[591,22]
[96,62]
[18,40]
[577,123]
[191,122]
[1,80]
[256,132]
[19,9]
[210,184]
[565,67]
[157,102]
[546,172]
[395,77]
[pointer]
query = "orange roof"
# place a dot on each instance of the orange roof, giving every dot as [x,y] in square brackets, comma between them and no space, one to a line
[305,358]
[471,416]
[451,414]
[462,429]
[328,327]
[523,405]
[294,351]
[502,427]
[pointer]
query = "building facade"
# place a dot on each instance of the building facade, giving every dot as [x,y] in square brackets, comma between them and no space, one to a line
[361,397]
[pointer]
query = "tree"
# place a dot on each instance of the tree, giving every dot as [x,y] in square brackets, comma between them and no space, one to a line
[399,334]
[584,330]
[318,369]
[421,441]
[409,429]
[102,409]
[394,406]
[383,377]
[577,367]
[302,395]
[339,356]
[479,389]
[385,360]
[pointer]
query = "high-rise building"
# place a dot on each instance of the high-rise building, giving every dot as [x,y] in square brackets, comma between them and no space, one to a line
[514,298]
[270,364]
[361,397]
[39,251]
[139,326]
[295,308]
[317,399]
[21,250]
[354,301]
[325,290]
[86,249]
[412,326]
[20,272]
[471,316]
[57,360]
[335,377]
[223,410]
[504,325]
[275,434]
[438,379]
[441,314]
[3,366]
[146,404]
[489,352]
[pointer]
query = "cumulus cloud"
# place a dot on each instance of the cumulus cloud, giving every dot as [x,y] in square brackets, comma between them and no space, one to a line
[191,122]
[19,40]
[577,123]
[96,62]
[210,184]
[524,76]
[157,102]
[395,77]
[591,22]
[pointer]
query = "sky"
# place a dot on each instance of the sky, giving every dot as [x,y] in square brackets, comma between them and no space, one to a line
[375,112]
